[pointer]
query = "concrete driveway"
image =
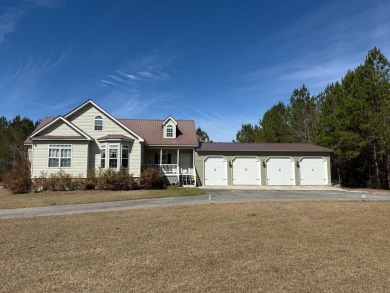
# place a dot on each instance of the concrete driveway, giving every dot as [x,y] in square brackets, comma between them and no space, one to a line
[211,196]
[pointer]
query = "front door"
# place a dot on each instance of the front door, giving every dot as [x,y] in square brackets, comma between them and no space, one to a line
[185,163]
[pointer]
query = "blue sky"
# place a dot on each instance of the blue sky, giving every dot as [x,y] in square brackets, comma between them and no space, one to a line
[220,63]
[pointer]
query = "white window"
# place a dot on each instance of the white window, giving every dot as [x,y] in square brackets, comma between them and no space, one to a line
[125,156]
[99,123]
[60,155]
[169,131]
[113,157]
[103,158]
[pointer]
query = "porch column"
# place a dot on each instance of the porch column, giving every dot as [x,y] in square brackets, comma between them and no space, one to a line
[160,161]
[178,164]
[193,165]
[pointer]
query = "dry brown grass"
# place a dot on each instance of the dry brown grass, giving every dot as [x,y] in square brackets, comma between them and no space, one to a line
[47,198]
[251,247]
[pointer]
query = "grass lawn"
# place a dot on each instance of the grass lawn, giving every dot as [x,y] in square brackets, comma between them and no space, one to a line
[9,200]
[249,247]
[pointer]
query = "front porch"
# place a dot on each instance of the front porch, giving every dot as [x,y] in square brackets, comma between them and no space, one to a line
[175,165]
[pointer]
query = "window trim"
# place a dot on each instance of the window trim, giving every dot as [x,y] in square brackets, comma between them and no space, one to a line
[117,148]
[169,131]
[60,147]
[98,118]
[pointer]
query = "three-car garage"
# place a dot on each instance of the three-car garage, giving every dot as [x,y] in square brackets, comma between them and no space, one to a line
[245,164]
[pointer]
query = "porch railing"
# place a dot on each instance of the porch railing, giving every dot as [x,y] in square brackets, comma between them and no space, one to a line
[164,168]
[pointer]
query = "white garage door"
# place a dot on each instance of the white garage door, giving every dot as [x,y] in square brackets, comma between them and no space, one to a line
[215,171]
[313,171]
[246,171]
[280,171]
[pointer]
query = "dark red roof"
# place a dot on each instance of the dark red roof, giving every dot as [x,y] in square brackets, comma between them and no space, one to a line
[261,147]
[152,131]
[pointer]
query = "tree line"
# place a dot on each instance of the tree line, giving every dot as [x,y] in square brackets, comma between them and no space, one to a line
[12,135]
[352,117]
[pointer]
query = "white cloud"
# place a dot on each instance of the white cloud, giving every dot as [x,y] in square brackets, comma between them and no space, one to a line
[47,3]
[19,84]
[129,76]
[10,19]
[145,74]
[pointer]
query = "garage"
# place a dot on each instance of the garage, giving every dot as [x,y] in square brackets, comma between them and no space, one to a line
[246,171]
[260,164]
[313,171]
[215,170]
[280,171]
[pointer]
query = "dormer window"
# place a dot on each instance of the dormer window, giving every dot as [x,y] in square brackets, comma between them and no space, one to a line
[169,128]
[169,131]
[99,123]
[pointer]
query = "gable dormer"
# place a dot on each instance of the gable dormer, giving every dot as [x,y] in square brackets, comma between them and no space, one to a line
[169,128]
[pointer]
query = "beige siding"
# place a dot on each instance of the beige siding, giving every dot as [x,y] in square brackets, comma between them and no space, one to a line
[85,118]
[199,165]
[41,158]
[60,128]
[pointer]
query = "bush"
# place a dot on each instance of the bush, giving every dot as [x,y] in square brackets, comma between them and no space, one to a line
[18,179]
[105,179]
[151,179]
[115,180]
[91,181]
[58,181]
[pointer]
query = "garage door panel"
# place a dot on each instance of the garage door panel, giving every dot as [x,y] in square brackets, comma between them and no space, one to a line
[215,171]
[246,171]
[280,171]
[313,171]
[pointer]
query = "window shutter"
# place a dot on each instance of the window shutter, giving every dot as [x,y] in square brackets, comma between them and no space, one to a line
[169,158]
[156,158]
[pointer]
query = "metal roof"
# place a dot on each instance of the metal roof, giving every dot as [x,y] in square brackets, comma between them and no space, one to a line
[261,147]
[152,132]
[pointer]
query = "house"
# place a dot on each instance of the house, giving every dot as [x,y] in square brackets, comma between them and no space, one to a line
[88,137]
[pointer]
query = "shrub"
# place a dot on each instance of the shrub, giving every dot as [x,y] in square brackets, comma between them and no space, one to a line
[40,183]
[105,179]
[18,179]
[60,181]
[79,183]
[151,179]
[115,180]
[91,180]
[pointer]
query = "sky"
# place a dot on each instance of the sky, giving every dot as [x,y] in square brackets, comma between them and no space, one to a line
[219,63]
